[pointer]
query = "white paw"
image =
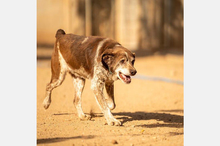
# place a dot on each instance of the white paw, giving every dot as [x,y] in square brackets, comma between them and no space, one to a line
[85,117]
[114,122]
[46,103]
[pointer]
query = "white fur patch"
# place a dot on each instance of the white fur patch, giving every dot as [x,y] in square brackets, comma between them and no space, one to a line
[123,70]
[85,40]
[117,45]
[63,65]
[99,71]
[79,85]
[126,54]
[98,48]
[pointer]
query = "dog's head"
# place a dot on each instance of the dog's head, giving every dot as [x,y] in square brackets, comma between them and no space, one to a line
[120,63]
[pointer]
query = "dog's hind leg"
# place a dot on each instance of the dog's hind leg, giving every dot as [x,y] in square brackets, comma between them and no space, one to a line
[58,75]
[109,86]
[53,84]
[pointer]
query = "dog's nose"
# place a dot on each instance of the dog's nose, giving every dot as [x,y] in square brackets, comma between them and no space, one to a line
[133,72]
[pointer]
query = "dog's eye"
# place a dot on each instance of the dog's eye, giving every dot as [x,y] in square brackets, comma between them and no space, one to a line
[122,61]
[132,62]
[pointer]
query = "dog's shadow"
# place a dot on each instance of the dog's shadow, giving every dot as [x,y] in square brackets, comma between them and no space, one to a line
[169,120]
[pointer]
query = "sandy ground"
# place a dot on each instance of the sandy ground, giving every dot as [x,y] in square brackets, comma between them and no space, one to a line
[151,111]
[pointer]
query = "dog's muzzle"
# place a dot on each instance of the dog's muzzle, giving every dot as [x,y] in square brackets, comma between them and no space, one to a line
[127,78]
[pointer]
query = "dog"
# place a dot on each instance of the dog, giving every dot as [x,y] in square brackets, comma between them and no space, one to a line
[102,60]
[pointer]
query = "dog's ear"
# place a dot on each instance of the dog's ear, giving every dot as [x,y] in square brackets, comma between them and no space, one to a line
[107,59]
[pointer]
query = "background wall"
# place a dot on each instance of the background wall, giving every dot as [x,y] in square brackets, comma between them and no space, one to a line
[137,24]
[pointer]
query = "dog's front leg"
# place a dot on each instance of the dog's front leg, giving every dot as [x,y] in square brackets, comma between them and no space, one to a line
[109,86]
[97,87]
[79,84]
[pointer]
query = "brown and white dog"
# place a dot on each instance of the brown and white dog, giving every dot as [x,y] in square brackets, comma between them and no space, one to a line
[102,60]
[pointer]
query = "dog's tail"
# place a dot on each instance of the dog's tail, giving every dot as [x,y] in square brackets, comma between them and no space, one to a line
[59,33]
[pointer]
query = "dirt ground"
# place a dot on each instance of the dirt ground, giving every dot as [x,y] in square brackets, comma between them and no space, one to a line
[151,111]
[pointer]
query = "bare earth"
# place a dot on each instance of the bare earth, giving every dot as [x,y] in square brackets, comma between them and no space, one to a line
[151,111]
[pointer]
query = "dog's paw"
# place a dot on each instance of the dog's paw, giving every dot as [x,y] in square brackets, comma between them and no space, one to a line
[46,104]
[114,122]
[85,117]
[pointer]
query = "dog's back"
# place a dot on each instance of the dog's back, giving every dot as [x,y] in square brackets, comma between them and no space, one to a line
[81,51]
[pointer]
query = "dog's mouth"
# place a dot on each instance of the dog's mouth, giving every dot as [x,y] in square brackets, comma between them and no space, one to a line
[125,78]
